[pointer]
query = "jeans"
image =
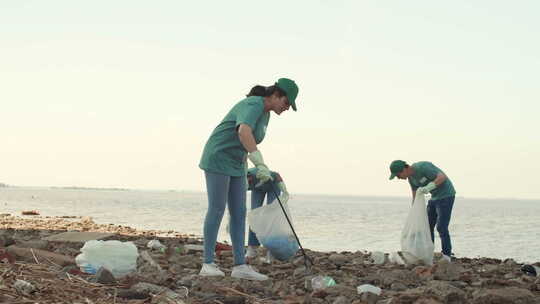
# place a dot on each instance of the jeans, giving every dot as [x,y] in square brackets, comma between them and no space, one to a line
[257,199]
[439,213]
[231,191]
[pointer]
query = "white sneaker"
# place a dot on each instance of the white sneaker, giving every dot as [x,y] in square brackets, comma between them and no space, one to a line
[446,258]
[211,270]
[246,272]
[251,252]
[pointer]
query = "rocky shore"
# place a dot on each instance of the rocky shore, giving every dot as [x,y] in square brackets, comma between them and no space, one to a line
[36,270]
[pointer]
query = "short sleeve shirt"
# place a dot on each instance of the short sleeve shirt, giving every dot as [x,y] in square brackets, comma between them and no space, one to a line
[426,172]
[223,152]
[252,181]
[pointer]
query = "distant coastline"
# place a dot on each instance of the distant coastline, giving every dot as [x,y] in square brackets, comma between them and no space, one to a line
[90,188]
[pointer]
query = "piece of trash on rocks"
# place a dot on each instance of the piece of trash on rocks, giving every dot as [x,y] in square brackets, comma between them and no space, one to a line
[156,290]
[6,257]
[222,246]
[193,248]
[156,245]
[321,282]
[120,258]
[30,212]
[378,257]
[182,291]
[396,258]
[179,250]
[531,270]
[24,287]
[368,288]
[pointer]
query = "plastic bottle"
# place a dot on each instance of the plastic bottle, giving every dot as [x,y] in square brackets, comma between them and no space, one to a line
[156,245]
[378,257]
[368,288]
[86,267]
[321,282]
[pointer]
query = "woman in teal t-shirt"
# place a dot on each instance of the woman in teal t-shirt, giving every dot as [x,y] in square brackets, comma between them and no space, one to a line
[224,162]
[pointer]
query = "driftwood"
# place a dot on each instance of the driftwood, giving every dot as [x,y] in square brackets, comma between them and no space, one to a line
[30,212]
[40,256]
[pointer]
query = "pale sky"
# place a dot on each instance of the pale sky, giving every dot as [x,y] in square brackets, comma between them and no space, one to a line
[126,93]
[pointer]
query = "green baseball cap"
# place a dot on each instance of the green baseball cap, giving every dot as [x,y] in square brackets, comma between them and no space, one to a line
[396,167]
[290,88]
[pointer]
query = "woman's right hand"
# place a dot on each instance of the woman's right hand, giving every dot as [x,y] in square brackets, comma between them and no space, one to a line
[263,173]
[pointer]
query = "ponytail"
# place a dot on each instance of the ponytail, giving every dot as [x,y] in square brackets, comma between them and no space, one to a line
[257,90]
[263,91]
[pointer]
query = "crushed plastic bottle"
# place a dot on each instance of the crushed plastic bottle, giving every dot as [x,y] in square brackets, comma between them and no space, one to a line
[156,245]
[368,288]
[322,282]
[378,257]
[24,287]
[396,258]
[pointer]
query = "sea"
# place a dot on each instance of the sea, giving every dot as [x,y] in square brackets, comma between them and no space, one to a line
[495,228]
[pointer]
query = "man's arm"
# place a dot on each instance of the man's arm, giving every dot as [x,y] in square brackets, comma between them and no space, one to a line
[441,177]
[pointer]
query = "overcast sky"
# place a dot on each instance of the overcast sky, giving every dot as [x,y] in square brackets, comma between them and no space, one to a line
[126,93]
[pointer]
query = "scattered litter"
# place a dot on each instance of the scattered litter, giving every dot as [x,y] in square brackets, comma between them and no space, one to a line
[156,245]
[321,282]
[368,288]
[120,258]
[24,287]
[193,248]
[378,258]
[30,212]
[531,270]
[396,258]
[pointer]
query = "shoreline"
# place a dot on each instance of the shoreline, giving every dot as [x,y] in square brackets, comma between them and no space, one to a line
[465,280]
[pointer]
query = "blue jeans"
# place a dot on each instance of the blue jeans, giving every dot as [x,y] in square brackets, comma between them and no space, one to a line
[439,213]
[257,199]
[231,191]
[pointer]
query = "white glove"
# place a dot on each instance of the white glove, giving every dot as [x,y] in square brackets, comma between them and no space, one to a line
[284,196]
[427,188]
[263,173]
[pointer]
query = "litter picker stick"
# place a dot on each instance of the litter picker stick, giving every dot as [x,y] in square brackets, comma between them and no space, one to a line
[306,257]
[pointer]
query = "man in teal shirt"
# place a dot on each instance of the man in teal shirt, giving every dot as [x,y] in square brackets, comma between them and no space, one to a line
[224,162]
[424,177]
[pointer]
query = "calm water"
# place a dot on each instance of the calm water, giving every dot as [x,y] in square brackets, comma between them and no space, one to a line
[490,228]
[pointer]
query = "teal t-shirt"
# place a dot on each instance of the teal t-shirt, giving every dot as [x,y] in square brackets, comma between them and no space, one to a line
[426,172]
[223,152]
[266,187]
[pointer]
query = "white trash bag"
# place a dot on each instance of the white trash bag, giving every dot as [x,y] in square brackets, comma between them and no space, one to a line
[416,243]
[120,258]
[273,231]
